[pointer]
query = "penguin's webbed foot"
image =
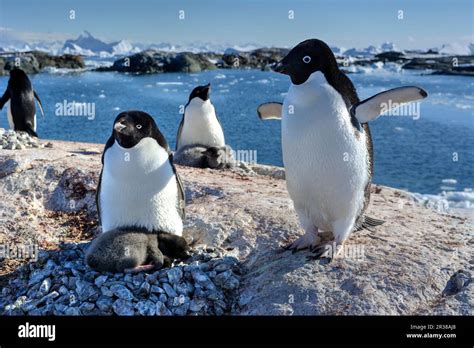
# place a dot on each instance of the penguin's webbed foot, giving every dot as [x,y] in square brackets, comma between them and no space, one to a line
[308,240]
[322,252]
[328,251]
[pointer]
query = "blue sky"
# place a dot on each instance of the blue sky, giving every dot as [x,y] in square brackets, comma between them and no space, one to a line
[347,23]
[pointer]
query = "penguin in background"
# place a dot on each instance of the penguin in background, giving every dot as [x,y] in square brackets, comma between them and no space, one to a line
[198,156]
[21,109]
[138,185]
[327,145]
[200,124]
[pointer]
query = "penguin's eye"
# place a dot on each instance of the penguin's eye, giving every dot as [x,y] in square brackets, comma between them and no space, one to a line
[306,59]
[139,126]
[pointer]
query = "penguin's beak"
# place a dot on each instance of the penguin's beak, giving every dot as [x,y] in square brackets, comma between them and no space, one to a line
[119,127]
[206,90]
[281,68]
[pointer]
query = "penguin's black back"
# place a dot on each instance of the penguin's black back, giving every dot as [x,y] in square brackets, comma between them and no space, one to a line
[22,101]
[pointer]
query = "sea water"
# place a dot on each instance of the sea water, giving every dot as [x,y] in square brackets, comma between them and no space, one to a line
[428,149]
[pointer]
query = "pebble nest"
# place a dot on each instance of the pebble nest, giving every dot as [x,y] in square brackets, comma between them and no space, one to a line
[59,283]
[11,140]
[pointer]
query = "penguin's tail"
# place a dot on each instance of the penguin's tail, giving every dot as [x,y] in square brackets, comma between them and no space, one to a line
[31,132]
[367,223]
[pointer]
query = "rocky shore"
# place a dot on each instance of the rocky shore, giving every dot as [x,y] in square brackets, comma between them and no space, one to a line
[33,62]
[152,61]
[434,64]
[59,283]
[418,262]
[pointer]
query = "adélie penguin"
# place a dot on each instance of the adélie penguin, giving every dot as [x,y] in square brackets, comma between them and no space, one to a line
[326,144]
[200,124]
[139,186]
[21,110]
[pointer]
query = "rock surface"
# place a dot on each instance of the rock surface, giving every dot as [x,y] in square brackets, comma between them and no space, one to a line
[59,283]
[36,61]
[11,140]
[154,61]
[462,65]
[418,262]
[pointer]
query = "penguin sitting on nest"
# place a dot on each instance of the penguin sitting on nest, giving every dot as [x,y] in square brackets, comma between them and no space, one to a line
[139,193]
[139,186]
[134,250]
[327,145]
[200,124]
[200,156]
[200,141]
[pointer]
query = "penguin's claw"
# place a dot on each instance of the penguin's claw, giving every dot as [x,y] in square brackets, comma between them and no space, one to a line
[322,252]
[308,240]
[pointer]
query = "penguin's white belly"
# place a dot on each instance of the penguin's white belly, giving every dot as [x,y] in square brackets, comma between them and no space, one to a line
[325,163]
[201,128]
[139,188]
[10,117]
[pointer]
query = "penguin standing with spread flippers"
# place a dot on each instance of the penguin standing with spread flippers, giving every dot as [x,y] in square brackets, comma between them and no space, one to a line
[22,109]
[139,186]
[327,145]
[200,125]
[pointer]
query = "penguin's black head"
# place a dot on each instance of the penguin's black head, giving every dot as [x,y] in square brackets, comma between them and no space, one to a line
[201,92]
[19,79]
[173,246]
[306,58]
[132,126]
[215,156]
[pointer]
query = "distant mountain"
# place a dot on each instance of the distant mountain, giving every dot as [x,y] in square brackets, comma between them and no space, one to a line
[123,47]
[371,50]
[198,47]
[86,41]
[88,45]
[455,48]
[338,51]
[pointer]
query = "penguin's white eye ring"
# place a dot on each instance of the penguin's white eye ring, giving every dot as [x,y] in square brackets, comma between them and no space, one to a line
[139,126]
[306,59]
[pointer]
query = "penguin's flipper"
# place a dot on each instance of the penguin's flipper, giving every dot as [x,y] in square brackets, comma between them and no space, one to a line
[4,99]
[178,136]
[371,108]
[108,144]
[39,102]
[270,111]
[181,194]
[368,223]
